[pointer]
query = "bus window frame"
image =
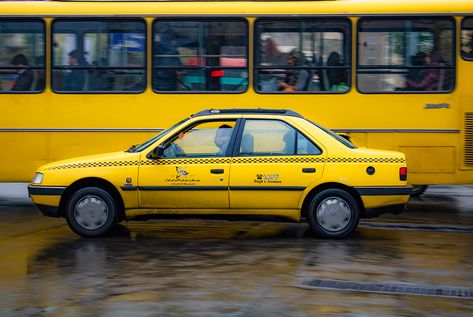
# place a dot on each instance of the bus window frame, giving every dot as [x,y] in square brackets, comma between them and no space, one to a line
[203,19]
[453,67]
[347,47]
[466,17]
[103,92]
[45,61]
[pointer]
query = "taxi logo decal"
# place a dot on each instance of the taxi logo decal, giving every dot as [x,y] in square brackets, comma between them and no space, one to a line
[182,178]
[181,172]
[267,179]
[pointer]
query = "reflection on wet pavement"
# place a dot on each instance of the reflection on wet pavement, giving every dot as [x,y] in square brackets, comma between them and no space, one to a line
[220,268]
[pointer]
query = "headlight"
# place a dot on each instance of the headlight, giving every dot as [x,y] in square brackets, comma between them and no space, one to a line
[38,178]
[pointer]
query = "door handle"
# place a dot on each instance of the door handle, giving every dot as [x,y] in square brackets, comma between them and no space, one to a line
[308,170]
[216,171]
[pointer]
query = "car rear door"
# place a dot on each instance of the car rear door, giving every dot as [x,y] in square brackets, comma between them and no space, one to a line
[273,164]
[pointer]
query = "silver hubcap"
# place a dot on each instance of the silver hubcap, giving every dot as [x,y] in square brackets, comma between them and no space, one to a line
[91,212]
[333,214]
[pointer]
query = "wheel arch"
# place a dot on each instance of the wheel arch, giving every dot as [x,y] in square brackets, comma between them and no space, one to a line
[332,185]
[92,182]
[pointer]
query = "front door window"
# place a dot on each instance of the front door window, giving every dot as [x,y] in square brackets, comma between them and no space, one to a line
[208,139]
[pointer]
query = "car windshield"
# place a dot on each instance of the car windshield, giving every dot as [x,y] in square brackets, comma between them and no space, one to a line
[143,146]
[335,136]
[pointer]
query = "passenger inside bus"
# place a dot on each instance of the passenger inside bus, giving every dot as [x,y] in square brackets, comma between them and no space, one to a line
[271,54]
[336,77]
[467,50]
[75,78]
[24,80]
[101,79]
[296,79]
[430,78]
[416,74]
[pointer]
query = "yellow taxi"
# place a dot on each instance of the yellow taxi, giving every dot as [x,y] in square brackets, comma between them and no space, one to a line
[231,163]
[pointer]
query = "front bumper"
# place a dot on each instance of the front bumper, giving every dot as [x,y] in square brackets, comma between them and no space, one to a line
[49,211]
[45,190]
[47,198]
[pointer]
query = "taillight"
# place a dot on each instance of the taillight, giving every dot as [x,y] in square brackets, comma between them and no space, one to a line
[403,173]
[217,73]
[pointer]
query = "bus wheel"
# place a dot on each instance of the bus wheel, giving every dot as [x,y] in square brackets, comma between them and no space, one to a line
[91,212]
[333,213]
[418,190]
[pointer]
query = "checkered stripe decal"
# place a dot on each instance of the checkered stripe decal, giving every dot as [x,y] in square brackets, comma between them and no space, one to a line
[94,164]
[187,161]
[237,160]
[364,160]
[269,159]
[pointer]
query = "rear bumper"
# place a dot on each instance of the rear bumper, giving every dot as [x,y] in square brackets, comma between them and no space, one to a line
[384,191]
[375,212]
[381,200]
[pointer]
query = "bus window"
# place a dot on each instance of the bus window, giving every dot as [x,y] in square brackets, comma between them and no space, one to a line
[405,55]
[198,55]
[467,39]
[92,56]
[22,49]
[310,55]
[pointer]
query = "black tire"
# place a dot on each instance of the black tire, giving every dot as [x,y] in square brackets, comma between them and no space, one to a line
[343,218]
[91,212]
[418,190]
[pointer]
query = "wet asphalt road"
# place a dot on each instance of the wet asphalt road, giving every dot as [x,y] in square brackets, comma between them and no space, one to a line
[419,263]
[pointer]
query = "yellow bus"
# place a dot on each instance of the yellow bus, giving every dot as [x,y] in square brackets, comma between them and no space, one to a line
[87,77]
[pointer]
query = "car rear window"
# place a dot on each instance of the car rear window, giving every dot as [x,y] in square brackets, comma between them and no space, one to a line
[335,136]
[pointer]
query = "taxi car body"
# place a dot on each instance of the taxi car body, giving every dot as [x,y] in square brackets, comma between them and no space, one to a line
[233,163]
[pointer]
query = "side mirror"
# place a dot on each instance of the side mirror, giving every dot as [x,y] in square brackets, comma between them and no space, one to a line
[158,152]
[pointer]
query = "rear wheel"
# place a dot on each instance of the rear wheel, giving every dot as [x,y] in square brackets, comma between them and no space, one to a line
[333,213]
[91,212]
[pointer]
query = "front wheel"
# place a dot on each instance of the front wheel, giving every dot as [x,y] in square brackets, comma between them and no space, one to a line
[91,212]
[333,213]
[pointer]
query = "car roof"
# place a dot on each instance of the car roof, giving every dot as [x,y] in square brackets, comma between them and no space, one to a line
[280,112]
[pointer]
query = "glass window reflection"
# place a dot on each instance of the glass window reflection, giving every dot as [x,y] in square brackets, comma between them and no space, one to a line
[22,50]
[99,56]
[200,56]
[310,55]
[405,55]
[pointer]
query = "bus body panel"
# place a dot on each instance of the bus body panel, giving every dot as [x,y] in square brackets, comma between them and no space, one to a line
[429,128]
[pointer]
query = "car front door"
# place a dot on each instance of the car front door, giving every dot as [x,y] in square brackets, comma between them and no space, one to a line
[272,167]
[192,171]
